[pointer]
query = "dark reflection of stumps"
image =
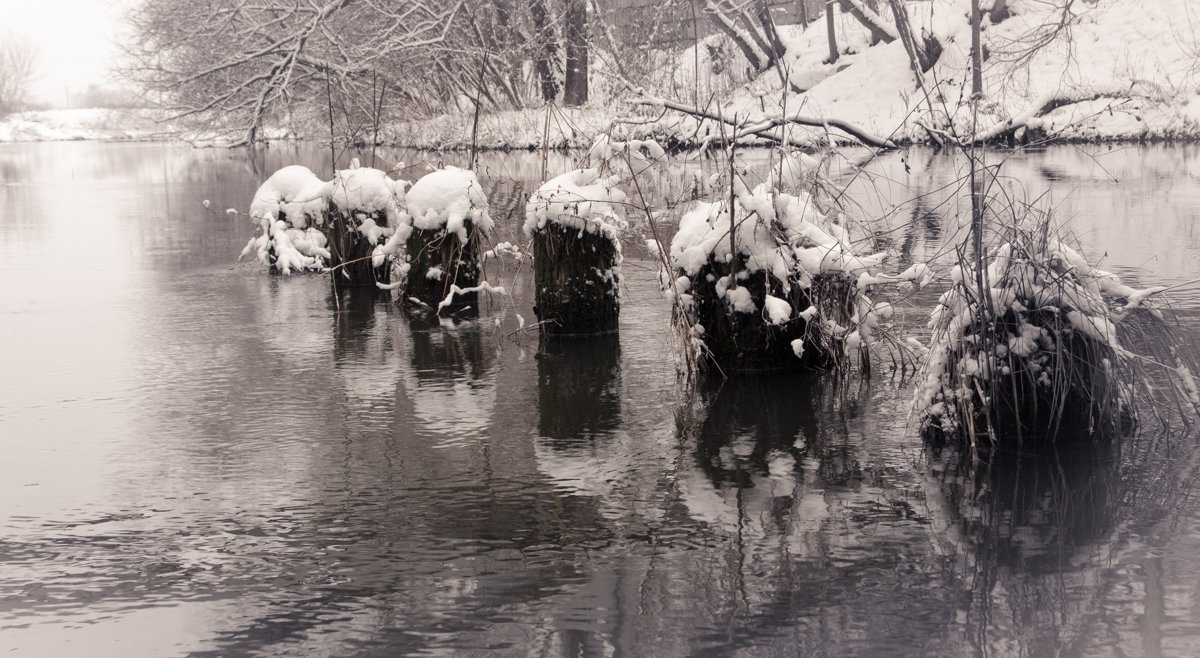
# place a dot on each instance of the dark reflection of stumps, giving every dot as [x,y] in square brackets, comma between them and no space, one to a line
[1028,518]
[579,388]
[355,312]
[576,281]
[447,354]
[1033,508]
[774,411]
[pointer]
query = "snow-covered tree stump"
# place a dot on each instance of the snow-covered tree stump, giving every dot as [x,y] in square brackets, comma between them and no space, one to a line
[288,208]
[784,295]
[1040,361]
[450,221]
[574,226]
[340,226]
[363,211]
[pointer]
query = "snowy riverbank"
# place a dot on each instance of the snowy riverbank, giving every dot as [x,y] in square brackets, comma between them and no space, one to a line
[1115,70]
[88,123]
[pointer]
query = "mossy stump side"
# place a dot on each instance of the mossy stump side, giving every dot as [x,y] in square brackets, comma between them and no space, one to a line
[350,251]
[576,283]
[438,260]
[747,342]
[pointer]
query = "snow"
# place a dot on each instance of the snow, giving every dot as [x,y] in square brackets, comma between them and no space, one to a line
[778,310]
[446,199]
[290,208]
[294,191]
[364,189]
[455,291]
[580,199]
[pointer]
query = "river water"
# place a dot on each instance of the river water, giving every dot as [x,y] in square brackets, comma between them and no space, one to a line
[200,459]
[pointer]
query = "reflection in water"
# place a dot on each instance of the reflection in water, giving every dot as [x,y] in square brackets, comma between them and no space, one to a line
[201,459]
[579,389]
[452,380]
[579,412]
[1029,521]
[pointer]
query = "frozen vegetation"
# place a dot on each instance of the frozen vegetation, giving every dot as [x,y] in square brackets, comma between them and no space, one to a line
[776,283]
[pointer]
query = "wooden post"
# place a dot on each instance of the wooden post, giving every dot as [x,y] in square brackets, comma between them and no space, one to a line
[573,224]
[450,223]
[576,281]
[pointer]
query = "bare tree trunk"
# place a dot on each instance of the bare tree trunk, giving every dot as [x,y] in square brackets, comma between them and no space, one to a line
[921,56]
[831,29]
[575,88]
[546,53]
[751,28]
[869,19]
[765,31]
[976,53]
[999,11]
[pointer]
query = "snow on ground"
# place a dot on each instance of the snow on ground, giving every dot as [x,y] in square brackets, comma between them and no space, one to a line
[1132,69]
[92,123]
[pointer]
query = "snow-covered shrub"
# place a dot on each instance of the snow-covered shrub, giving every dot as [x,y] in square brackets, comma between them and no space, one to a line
[1037,355]
[784,292]
[450,222]
[574,223]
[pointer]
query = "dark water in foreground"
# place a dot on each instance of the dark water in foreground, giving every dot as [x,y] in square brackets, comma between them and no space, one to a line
[197,458]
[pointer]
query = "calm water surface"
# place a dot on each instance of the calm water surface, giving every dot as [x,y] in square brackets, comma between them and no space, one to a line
[197,458]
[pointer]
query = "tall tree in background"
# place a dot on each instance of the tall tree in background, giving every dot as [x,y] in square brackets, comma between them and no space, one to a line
[575,88]
[18,65]
[546,50]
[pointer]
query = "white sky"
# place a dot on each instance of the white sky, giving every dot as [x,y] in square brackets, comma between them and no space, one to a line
[76,41]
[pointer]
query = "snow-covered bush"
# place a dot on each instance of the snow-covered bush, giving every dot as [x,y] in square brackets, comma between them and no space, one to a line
[1038,354]
[786,291]
[574,223]
[450,222]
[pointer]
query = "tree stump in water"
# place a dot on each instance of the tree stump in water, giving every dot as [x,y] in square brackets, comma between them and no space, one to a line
[438,261]
[286,207]
[781,295]
[364,209]
[575,281]
[350,252]
[573,223]
[450,223]
[740,341]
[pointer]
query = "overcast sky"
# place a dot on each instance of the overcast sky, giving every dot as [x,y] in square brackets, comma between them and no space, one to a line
[76,41]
